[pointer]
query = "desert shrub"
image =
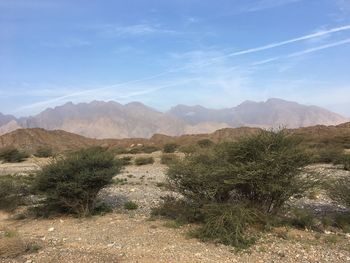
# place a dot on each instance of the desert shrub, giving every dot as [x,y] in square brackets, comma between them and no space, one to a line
[43,152]
[125,160]
[119,150]
[170,148]
[130,205]
[302,218]
[228,223]
[12,155]
[345,161]
[339,190]
[168,158]
[13,190]
[205,143]
[149,149]
[180,210]
[233,187]
[71,184]
[144,160]
[343,221]
[327,154]
[188,149]
[143,149]
[264,169]
[120,181]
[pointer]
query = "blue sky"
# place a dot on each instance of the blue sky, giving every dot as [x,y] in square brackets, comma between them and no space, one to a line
[162,52]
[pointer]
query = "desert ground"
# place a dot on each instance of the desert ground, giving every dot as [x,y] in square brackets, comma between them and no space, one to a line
[133,236]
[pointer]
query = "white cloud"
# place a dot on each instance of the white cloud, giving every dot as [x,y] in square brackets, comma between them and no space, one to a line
[111,30]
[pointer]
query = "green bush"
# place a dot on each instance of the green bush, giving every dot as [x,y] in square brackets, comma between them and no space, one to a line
[143,149]
[205,143]
[144,160]
[327,154]
[180,210]
[71,184]
[149,149]
[339,190]
[264,170]
[13,190]
[302,218]
[130,205]
[168,158]
[343,221]
[228,223]
[345,161]
[188,149]
[43,153]
[126,160]
[12,155]
[233,187]
[170,148]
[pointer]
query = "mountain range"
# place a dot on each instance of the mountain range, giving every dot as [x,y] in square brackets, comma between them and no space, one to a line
[101,120]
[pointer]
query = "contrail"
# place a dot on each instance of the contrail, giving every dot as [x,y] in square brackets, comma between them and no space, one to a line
[303,52]
[282,43]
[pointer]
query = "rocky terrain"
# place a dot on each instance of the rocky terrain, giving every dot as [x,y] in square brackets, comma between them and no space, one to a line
[59,141]
[102,120]
[131,236]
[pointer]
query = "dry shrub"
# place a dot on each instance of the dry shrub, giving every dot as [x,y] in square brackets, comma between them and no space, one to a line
[11,245]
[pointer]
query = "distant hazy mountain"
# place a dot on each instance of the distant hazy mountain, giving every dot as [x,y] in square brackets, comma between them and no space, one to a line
[4,119]
[113,120]
[272,113]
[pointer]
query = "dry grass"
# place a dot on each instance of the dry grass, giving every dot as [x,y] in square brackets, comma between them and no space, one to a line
[11,245]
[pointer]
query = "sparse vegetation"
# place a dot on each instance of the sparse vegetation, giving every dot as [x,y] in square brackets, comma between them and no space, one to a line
[144,160]
[235,186]
[125,160]
[13,189]
[228,223]
[339,190]
[43,152]
[205,143]
[70,184]
[302,218]
[170,147]
[168,158]
[12,155]
[130,205]
[120,181]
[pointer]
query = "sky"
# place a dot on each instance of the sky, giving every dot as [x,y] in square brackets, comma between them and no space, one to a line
[168,52]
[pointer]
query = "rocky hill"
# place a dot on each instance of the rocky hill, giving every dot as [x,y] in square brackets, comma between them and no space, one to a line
[32,139]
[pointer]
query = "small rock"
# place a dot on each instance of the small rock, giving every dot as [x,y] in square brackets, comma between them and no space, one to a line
[51,229]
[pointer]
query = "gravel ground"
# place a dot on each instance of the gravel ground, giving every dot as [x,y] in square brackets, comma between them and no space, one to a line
[130,236]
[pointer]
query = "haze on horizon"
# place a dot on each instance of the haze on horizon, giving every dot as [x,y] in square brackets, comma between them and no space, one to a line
[164,53]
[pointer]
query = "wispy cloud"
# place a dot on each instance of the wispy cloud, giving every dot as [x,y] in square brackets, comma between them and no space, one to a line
[106,92]
[112,30]
[266,4]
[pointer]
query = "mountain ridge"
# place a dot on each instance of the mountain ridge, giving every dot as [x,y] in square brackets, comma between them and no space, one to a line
[102,120]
